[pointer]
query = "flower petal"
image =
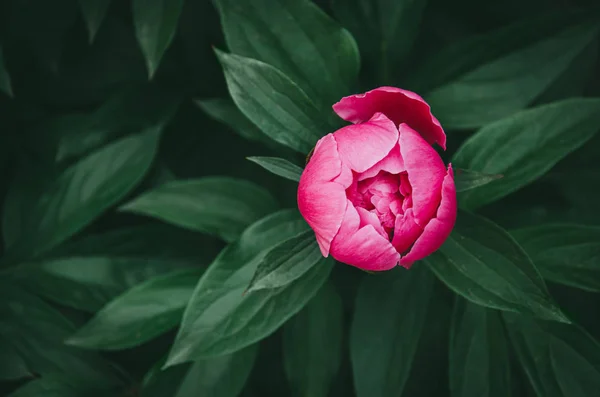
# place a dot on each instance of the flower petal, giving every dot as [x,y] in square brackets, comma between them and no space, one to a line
[391,163]
[363,248]
[425,171]
[439,228]
[321,201]
[400,106]
[370,218]
[406,231]
[363,145]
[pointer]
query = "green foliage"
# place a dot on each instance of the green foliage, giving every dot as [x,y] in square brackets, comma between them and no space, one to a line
[483,263]
[479,360]
[559,360]
[147,148]
[220,206]
[312,344]
[564,254]
[155,24]
[158,305]
[525,146]
[297,38]
[504,86]
[94,12]
[5,85]
[273,102]
[287,262]
[219,314]
[279,166]
[395,308]
[385,30]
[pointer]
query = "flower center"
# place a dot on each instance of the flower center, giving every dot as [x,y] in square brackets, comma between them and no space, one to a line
[385,195]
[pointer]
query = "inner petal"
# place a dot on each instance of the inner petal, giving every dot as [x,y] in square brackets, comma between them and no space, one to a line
[385,196]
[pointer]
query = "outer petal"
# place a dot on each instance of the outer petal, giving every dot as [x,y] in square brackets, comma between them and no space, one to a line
[426,173]
[400,106]
[439,228]
[363,145]
[391,163]
[364,247]
[321,201]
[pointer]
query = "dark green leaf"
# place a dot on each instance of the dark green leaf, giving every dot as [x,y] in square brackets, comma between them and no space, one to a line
[467,179]
[216,205]
[156,241]
[565,254]
[40,28]
[225,111]
[296,37]
[69,201]
[12,365]
[506,85]
[155,26]
[575,80]
[88,272]
[279,166]
[93,12]
[221,376]
[482,262]
[273,102]
[220,319]
[525,146]
[56,386]
[126,112]
[560,360]
[140,314]
[286,262]
[312,344]
[385,31]
[5,85]
[479,361]
[387,325]
[467,55]
[88,283]
[37,332]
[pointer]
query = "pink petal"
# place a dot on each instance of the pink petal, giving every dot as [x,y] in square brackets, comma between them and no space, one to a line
[391,163]
[425,171]
[363,248]
[406,231]
[363,145]
[439,228]
[400,106]
[370,218]
[321,201]
[396,207]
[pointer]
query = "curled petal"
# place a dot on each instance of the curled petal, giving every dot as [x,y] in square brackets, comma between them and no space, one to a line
[321,201]
[400,106]
[370,218]
[439,228]
[406,231]
[391,163]
[425,171]
[363,145]
[362,247]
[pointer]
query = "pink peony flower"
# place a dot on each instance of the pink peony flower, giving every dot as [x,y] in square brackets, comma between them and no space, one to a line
[376,193]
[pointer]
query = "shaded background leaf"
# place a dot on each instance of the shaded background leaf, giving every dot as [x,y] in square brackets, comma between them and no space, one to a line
[155,25]
[479,355]
[217,205]
[565,254]
[312,344]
